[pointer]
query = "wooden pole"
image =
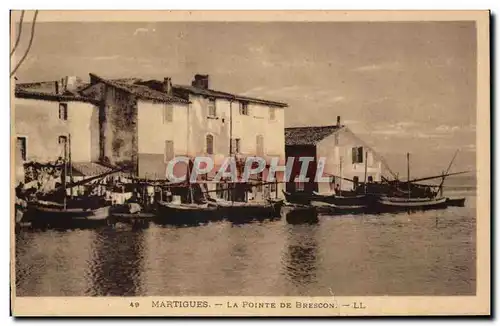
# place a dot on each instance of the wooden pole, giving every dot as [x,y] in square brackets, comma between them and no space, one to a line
[65,171]
[408,166]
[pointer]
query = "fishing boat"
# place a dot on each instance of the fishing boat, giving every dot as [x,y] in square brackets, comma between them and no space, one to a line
[305,198]
[175,213]
[300,214]
[458,202]
[236,211]
[392,204]
[57,209]
[332,209]
[57,215]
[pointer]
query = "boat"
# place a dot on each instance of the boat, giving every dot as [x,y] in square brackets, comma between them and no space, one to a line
[57,209]
[458,202]
[332,209]
[56,215]
[305,198]
[130,213]
[175,213]
[391,204]
[236,211]
[300,214]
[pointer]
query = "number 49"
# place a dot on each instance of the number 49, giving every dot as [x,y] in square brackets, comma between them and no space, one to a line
[134,304]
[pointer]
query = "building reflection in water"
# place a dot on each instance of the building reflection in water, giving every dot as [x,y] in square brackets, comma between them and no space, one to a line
[300,258]
[117,262]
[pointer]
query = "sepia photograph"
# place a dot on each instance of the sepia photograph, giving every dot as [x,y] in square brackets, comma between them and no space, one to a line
[250,163]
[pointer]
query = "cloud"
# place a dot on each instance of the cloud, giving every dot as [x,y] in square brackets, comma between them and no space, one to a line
[143,30]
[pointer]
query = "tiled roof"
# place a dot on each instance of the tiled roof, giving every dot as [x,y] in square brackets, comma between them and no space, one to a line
[141,91]
[218,94]
[308,135]
[46,90]
[68,96]
[184,90]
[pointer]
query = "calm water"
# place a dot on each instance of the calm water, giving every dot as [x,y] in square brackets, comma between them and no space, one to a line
[429,253]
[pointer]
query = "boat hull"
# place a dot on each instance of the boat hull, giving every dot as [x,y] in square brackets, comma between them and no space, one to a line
[241,212]
[54,217]
[457,202]
[387,205]
[307,198]
[185,214]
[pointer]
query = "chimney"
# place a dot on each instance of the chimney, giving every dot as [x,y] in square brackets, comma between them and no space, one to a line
[200,81]
[70,83]
[338,121]
[167,85]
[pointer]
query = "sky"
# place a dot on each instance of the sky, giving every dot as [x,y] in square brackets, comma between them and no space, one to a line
[400,86]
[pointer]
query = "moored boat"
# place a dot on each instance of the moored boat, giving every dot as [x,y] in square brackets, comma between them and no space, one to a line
[332,209]
[235,211]
[458,202]
[173,213]
[305,198]
[390,204]
[57,215]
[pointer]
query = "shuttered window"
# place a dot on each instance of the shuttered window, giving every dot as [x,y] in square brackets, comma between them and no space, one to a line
[21,148]
[169,150]
[235,145]
[357,155]
[260,145]
[212,110]
[63,111]
[272,113]
[210,144]
[168,113]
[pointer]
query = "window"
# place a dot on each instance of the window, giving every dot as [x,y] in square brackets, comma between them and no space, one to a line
[260,145]
[63,111]
[299,186]
[169,150]
[210,144]
[21,148]
[63,140]
[357,155]
[272,113]
[168,113]
[212,111]
[235,145]
[243,108]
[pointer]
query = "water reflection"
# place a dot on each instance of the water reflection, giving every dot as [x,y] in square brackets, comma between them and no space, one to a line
[300,261]
[116,265]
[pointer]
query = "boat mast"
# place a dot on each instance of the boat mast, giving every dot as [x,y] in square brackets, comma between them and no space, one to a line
[340,186]
[366,168]
[408,166]
[70,164]
[65,171]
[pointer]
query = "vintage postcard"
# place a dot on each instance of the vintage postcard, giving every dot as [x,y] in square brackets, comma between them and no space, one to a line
[250,163]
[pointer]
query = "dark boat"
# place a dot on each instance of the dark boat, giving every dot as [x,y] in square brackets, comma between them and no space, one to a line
[240,212]
[185,214]
[305,198]
[300,214]
[72,215]
[130,213]
[391,204]
[332,209]
[458,202]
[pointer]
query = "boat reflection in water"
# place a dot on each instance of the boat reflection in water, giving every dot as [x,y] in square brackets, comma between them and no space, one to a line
[116,264]
[300,259]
